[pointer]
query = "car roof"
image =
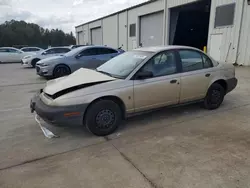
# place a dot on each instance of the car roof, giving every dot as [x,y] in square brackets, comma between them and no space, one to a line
[58,47]
[163,48]
[30,47]
[9,48]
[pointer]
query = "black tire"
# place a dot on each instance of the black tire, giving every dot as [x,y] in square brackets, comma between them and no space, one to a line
[61,70]
[103,117]
[214,97]
[33,62]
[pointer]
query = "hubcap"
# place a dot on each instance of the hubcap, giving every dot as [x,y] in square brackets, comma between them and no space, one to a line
[105,119]
[215,97]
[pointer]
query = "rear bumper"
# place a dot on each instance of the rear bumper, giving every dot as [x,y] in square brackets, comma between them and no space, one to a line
[231,84]
[55,115]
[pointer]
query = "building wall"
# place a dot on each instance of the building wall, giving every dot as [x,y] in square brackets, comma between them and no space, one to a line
[244,44]
[230,34]
[78,34]
[92,25]
[110,31]
[175,3]
[123,30]
[133,17]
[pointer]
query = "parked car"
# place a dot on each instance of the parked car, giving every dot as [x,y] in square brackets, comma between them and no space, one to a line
[32,49]
[87,57]
[12,55]
[31,60]
[76,46]
[134,82]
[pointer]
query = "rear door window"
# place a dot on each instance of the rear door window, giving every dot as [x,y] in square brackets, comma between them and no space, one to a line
[102,51]
[191,60]
[89,52]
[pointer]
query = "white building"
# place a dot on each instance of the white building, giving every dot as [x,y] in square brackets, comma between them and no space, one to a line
[221,25]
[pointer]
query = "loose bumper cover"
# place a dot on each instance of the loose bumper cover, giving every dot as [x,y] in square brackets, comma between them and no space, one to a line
[55,115]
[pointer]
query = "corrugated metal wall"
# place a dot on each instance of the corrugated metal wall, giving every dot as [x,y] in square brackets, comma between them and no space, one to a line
[230,34]
[244,45]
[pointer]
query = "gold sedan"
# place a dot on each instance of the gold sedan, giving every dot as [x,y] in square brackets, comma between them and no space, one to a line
[136,81]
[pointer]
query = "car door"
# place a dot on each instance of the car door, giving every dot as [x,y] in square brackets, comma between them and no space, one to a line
[89,58]
[15,55]
[4,55]
[163,88]
[107,54]
[196,74]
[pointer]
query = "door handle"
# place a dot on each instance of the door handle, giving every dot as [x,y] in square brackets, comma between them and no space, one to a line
[208,75]
[173,81]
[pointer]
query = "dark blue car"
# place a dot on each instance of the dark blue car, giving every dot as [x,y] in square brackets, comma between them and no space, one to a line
[82,57]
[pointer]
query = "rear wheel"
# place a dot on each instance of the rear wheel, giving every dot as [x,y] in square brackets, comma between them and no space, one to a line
[33,62]
[103,117]
[215,97]
[61,70]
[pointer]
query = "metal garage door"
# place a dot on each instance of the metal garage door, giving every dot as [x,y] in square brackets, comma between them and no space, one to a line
[96,36]
[151,29]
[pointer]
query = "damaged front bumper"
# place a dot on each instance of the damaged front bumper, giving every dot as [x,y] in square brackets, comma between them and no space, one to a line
[58,115]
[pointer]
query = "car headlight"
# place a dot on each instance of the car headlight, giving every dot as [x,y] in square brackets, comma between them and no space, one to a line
[43,64]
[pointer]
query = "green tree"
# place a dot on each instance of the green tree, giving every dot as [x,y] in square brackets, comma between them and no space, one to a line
[14,33]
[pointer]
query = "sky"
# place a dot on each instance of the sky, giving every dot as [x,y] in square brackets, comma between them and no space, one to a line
[62,14]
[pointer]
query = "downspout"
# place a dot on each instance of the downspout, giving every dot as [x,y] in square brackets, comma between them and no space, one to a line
[240,31]
[165,24]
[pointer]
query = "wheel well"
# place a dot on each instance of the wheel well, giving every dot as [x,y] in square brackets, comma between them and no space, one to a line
[115,99]
[36,59]
[223,83]
[63,65]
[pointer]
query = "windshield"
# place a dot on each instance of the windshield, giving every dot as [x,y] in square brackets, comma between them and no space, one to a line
[74,51]
[122,65]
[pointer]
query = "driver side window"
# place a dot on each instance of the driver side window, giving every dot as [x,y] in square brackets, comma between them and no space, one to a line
[162,64]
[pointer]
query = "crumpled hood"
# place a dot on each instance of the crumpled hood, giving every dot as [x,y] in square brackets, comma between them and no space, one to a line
[78,78]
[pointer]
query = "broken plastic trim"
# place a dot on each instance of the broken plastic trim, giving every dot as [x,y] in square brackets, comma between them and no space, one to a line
[47,133]
[74,88]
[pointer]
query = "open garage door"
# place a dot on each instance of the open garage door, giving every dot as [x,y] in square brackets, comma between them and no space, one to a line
[151,29]
[96,36]
[189,24]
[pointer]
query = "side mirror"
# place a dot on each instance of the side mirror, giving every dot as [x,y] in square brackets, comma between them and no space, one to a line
[144,75]
[44,53]
[77,56]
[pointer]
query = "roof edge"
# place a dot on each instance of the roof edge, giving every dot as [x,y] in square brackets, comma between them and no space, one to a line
[120,11]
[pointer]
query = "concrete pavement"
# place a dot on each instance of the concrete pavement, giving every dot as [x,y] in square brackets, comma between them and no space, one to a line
[180,147]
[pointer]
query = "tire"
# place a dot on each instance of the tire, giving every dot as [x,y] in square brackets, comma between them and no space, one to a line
[214,97]
[103,117]
[33,62]
[61,70]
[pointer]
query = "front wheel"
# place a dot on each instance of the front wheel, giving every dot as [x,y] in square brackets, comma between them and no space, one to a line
[214,97]
[103,117]
[60,71]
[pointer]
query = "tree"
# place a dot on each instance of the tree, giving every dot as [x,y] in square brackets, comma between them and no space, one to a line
[14,33]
